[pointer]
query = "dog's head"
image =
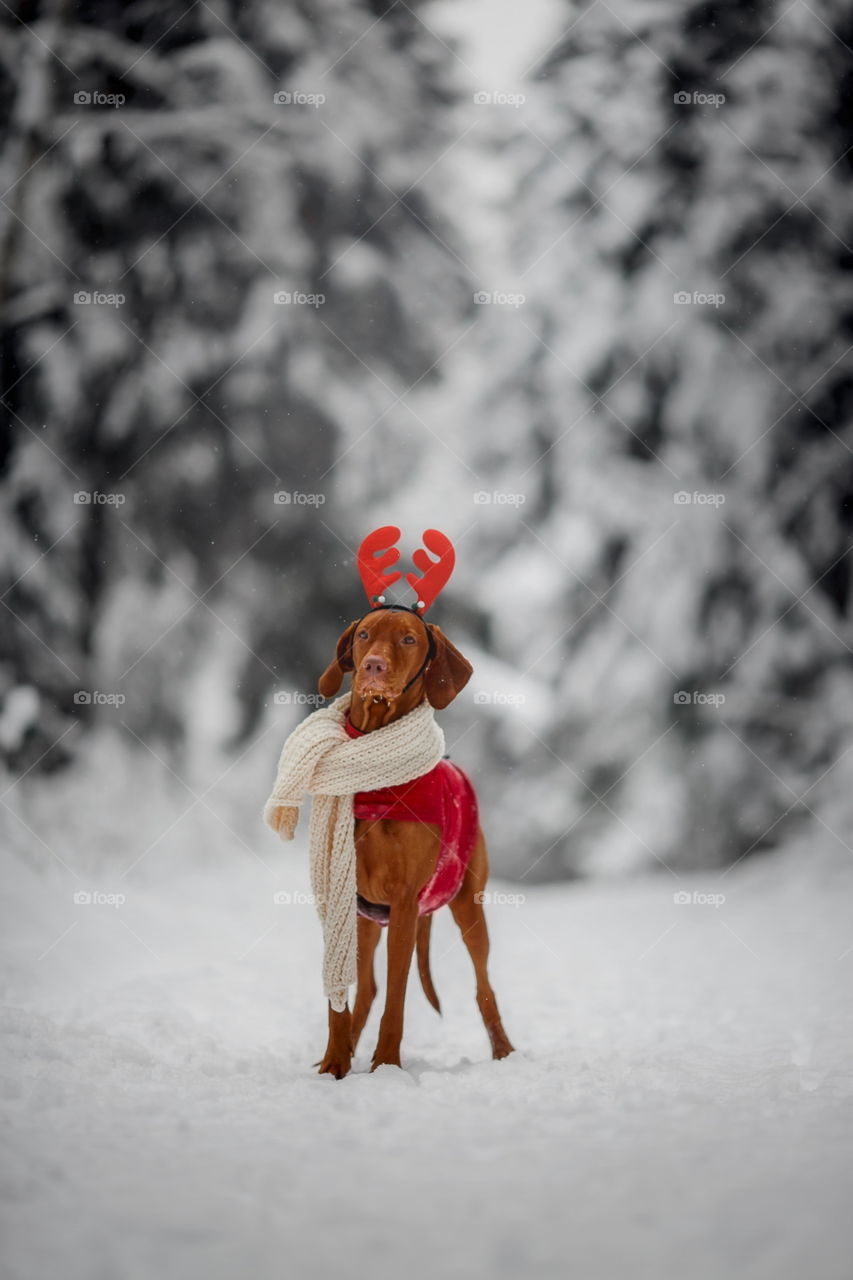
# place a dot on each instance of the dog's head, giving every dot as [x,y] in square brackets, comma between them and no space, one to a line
[388,650]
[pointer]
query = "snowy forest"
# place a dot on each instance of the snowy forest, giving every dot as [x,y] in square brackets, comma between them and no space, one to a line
[571,282]
[551,437]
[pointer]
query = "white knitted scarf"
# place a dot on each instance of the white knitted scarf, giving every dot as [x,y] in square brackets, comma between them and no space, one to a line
[321,760]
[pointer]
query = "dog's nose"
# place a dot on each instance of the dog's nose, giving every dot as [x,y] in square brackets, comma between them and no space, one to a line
[373,665]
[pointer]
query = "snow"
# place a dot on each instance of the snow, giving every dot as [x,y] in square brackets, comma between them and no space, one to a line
[680,1102]
[19,712]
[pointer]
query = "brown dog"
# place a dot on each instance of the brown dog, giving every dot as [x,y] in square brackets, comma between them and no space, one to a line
[394,860]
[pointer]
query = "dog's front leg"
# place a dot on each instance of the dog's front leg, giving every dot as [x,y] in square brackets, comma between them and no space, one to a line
[338,1056]
[402,931]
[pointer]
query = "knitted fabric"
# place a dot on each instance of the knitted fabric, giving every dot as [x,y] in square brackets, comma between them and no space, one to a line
[319,759]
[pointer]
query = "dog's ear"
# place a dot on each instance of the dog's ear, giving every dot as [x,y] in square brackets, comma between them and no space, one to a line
[448,672]
[331,679]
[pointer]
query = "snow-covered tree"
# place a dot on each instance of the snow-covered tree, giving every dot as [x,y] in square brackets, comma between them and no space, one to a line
[199,170]
[673,403]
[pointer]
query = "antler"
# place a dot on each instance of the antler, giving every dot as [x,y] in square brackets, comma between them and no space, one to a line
[434,573]
[373,568]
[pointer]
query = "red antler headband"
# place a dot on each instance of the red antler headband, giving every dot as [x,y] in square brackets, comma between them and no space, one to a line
[375,569]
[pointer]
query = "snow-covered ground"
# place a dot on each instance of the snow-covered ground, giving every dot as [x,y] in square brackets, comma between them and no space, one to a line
[679,1105]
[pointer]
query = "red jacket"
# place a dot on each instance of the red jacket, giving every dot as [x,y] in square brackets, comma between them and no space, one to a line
[443,796]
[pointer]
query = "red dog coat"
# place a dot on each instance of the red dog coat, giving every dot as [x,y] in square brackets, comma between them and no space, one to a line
[443,796]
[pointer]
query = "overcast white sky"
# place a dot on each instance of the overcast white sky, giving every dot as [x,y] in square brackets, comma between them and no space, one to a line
[502,38]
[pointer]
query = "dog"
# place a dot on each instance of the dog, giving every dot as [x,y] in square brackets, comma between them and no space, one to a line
[397,660]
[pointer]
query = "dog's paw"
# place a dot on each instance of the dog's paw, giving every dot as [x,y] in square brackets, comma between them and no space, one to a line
[501,1047]
[335,1066]
[386,1058]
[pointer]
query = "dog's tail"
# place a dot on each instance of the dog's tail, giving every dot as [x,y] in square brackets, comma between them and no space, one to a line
[424,927]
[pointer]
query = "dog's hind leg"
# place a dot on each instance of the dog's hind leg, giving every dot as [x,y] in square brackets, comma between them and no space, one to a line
[368,937]
[467,909]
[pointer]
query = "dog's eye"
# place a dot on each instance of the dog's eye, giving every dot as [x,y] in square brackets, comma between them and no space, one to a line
[408,639]
[362,635]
